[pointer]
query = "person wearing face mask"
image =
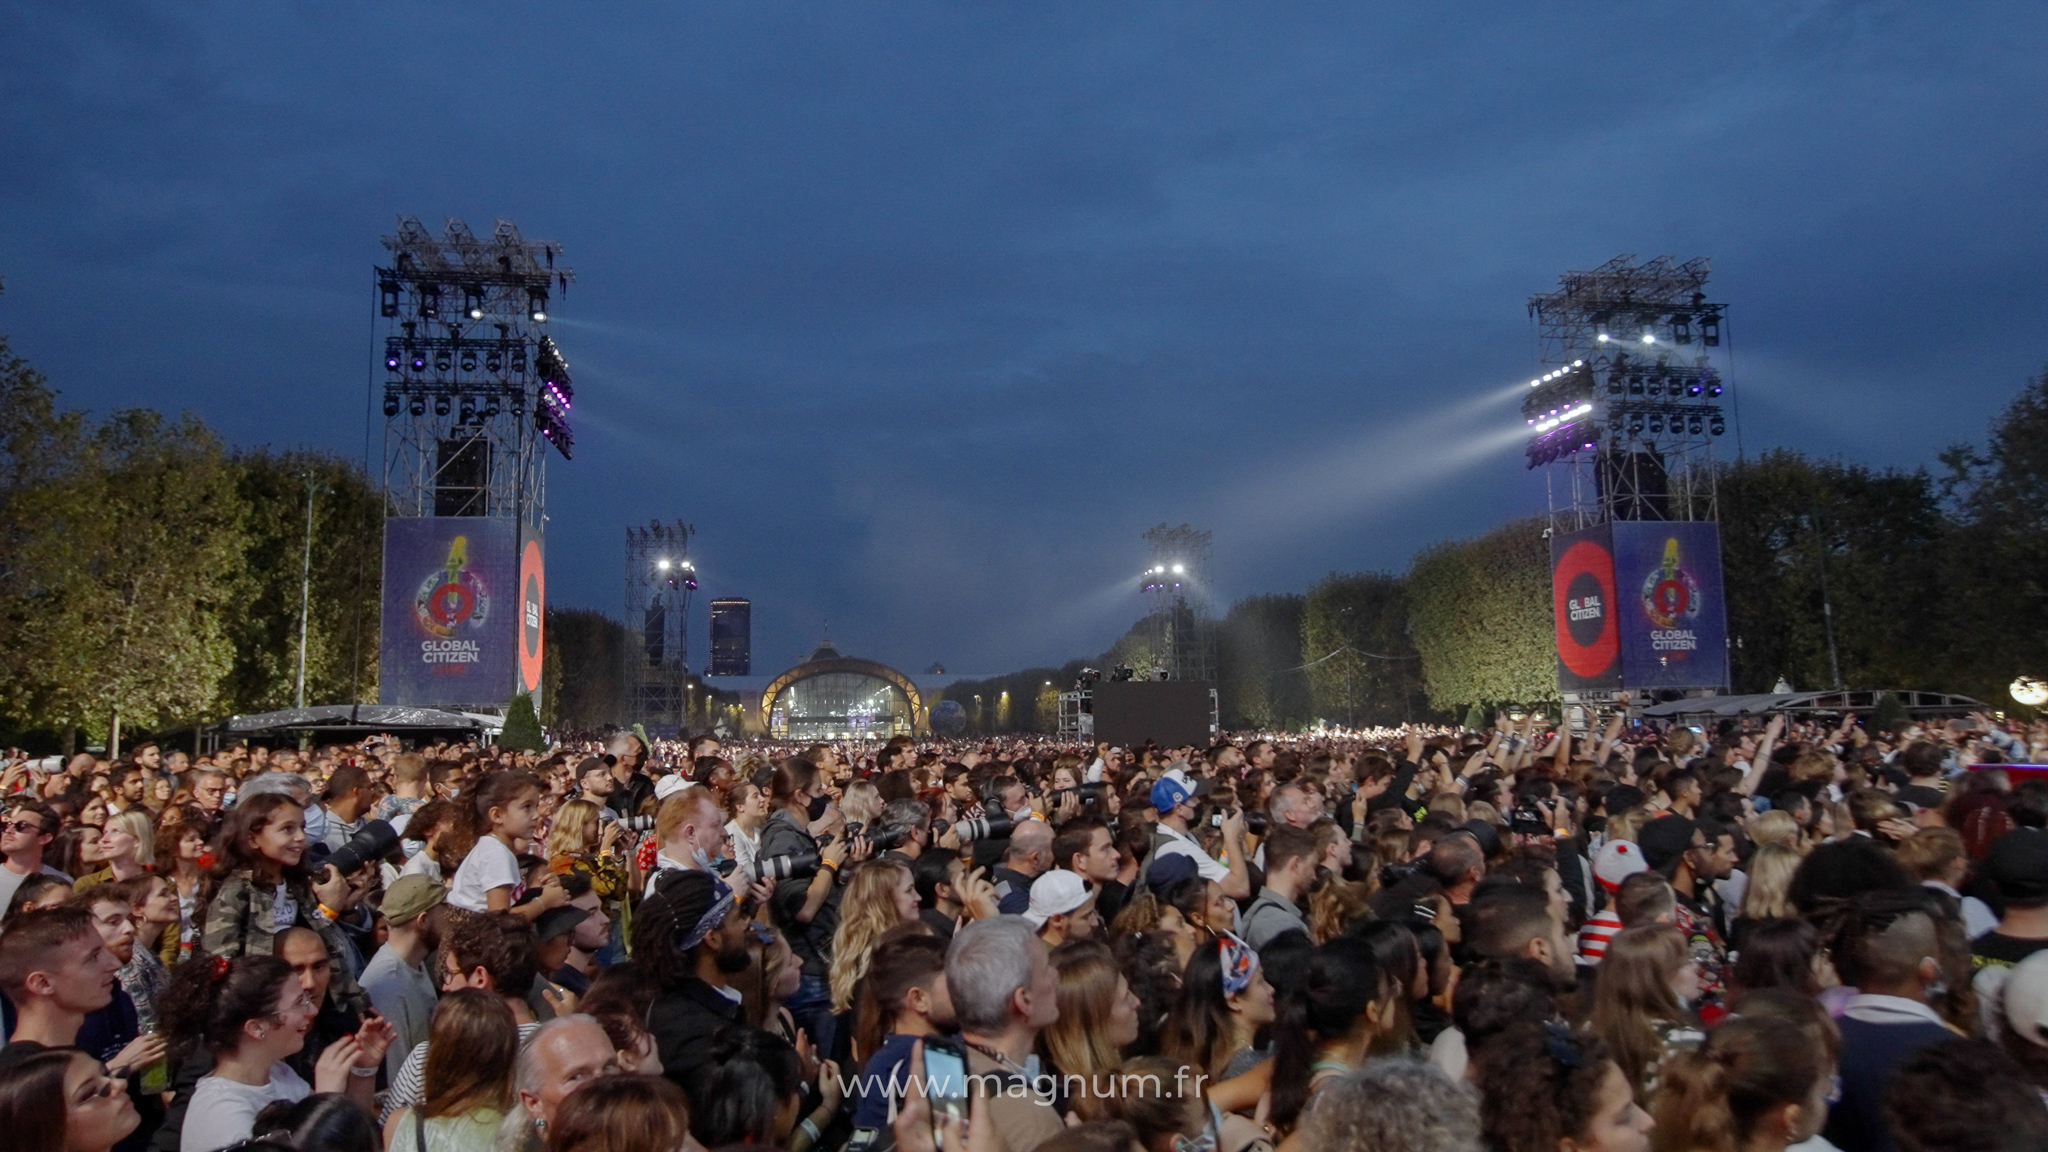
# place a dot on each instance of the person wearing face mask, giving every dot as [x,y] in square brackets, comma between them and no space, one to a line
[691,831]
[806,907]
[690,940]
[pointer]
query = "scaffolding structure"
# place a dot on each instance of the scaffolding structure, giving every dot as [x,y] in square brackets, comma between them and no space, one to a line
[1176,583]
[1628,404]
[465,362]
[659,580]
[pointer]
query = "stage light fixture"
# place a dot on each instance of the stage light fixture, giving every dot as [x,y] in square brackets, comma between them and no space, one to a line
[430,300]
[1695,387]
[537,305]
[519,358]
[469,359]
[391,361]
[1714,389]
[1614,421]
[473,303]
[491,408]
[494,361]
[1710,330]
[1649,338]
[1693,426]
[1718,426]
[440,405]
[1681,328]
[387,297]
[468,410]
[1656,424]
[1635,385]
[390,404]
[442,361]
[1635,425]
[518,404]
[418,405]
[419,362]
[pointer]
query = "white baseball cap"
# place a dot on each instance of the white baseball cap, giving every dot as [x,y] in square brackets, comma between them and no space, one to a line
[1056,893]
[669,785]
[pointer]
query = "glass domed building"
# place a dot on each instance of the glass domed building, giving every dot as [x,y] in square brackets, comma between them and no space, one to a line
[835,697]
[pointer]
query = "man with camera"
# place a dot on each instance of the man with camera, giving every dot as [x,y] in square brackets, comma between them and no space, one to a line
[1173,797]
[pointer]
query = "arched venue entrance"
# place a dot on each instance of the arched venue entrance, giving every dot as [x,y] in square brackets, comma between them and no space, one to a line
[835,697]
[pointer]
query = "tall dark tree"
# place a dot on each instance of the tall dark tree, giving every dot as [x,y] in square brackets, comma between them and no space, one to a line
[347,562]
[1258,664]
[1480,616]
[1803,539]
[1997,564]
[584,671]
[1362,664]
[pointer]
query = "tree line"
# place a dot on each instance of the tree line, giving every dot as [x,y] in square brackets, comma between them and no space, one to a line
[1836,573]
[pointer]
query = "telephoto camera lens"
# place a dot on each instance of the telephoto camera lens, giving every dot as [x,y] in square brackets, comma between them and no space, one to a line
[787,867]
[980,827]
[373,842]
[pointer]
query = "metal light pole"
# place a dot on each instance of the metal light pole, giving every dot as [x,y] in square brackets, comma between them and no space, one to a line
[305,597]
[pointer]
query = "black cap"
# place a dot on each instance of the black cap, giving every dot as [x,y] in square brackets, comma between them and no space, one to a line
[1664,840]
[559,922]
[1487,835]
[2018,864]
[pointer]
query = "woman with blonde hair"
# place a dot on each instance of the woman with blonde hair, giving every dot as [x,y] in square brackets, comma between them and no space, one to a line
[1098,1019]
[127,842]
[468,1085]
[1640,1003]
[575,830]
[1770,882]
[879,895]
[861,803]
[1776,826]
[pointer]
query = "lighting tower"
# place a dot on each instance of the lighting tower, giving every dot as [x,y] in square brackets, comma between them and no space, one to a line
[659,580]
[1628,403]
[474,391]
[1177,584]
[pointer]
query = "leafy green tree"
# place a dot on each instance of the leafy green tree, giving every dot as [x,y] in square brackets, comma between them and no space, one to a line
[1997,566]
[1362,666]
[584,669]
[1260,683]
[120,570]
[1479,613]
[522,726]
[1802,537]
[343,606]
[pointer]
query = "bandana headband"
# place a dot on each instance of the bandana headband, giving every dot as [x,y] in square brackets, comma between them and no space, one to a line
[1239,963]
[721,907]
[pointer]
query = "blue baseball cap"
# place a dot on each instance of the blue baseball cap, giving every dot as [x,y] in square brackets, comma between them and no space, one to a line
[1173,788]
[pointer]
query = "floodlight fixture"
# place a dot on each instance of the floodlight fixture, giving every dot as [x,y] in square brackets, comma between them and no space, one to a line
[418,406]
[473,303]
[442,361]
[390,404]
[1717,425]
[469,359]
[441,405]
[430,301]
[468,410]
[537,305]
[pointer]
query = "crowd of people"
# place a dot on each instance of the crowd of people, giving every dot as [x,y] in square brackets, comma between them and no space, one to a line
[1597,935]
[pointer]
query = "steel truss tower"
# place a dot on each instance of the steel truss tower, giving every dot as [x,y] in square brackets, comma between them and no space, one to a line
[473,390]
[659,580]
[1177,583]
[1629,401]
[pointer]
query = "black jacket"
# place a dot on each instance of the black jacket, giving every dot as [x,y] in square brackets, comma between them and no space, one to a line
[683,1022]
[782,835]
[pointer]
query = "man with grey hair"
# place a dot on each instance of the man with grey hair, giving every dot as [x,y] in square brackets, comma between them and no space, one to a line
[1004,991]
[911,817]
[559,1057]
[1392,1105]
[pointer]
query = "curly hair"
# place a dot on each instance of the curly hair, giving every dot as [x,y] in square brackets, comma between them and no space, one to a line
[1392,1104]
[1539,1084]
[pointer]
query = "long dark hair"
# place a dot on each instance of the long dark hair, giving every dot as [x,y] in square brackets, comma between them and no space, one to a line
[328,1121]
[209,999]
[32,1104]
[1198,1030]
[1539,1084]
[234,850]
[1344,979]
[473,819]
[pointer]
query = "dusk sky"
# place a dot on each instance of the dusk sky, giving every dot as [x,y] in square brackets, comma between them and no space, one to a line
[922,313]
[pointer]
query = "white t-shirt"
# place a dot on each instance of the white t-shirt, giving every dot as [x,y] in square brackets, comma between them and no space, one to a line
[223,1112]
[489,865]
[1208,866]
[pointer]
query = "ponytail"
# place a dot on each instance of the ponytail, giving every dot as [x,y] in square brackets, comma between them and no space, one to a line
[1713,1099]
[472,819]
[209,998]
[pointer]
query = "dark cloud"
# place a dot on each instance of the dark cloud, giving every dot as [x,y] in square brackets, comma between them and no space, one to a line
[922,312]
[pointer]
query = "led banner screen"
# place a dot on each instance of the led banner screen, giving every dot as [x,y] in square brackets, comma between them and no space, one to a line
[533,614]
[453,611]
[1584,604]
[1674,630]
